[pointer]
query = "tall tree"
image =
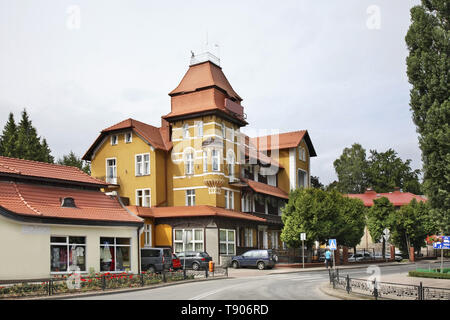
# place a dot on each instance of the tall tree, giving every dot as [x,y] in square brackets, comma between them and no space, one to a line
[428,42]
[315,183]
[386,171]
[322,215]
[9,138]
[28,144]
[411,225]
[72,160]
[351,168]
[378,220]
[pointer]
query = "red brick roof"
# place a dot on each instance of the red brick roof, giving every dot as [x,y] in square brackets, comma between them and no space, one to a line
[397,198]
[204,75]
[45,202]
[266,189]
[153,135]
[35,169]
[191,211]
[284,141]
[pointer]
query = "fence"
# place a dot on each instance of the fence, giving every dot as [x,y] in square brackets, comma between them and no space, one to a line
[387,290]
[76,283]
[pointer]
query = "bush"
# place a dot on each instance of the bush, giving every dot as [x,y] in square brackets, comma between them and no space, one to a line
[435,275]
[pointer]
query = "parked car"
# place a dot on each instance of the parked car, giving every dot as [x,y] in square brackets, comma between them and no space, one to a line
[255,258]
[397,258]
[176,264]
[194,259]
[360,257]
[156,259]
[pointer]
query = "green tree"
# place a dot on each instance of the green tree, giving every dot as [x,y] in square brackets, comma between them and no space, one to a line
[315,183]
[28,145]
[428,42]
[72,160]
[8,138]
[322,215]
[386,171]
[378,219]
[411,225]
[351,168]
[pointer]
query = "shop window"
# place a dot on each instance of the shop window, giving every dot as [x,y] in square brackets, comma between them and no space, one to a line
[115,254]
[227,241]
[68,254]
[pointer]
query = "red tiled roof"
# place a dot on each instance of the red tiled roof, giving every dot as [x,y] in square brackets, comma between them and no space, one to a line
[397,198]
[45,202]
[153,135]
[284,141]
[204,75]
[191,211]
[28,168]
[266,189]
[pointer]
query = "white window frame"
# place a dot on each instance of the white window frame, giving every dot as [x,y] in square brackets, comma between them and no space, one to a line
[68,244]
[144,197]
[205,161]
[228,241]
[193,240]
[224,131]
[215,156]
[114,178]
[115,246]
[231,160]
[305,179]
[125,136]
[186,134]
[114,140]
[142,164]
[200,129]
[190,197]
[248,238]
[147,235]
[229,200]
[189,162]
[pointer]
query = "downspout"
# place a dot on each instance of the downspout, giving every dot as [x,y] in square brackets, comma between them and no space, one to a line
[139,230]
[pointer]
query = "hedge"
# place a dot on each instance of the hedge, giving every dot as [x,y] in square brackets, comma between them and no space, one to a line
[435,275]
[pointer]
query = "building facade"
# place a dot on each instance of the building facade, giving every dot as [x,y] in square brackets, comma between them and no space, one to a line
[198,174]
[59,222]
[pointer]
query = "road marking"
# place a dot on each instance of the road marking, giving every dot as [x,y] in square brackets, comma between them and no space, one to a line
[210,293]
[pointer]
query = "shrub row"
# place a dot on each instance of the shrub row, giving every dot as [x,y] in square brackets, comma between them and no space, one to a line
[435,275]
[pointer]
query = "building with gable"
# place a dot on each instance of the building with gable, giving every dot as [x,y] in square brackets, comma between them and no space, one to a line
[59,221]
[198,174]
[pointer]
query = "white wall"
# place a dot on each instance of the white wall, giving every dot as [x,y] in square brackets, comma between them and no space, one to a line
[25,248]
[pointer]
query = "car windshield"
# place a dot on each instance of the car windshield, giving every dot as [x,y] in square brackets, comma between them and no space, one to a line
[204,254]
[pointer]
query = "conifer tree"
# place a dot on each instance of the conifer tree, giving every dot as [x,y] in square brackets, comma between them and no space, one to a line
[8,138]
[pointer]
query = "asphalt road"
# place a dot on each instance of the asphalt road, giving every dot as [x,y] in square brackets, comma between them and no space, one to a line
[250,284]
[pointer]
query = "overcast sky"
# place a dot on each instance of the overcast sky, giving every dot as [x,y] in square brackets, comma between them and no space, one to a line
[335,68]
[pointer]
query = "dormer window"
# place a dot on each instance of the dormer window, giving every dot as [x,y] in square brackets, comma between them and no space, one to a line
[114,139]
[128,137]
[68,202]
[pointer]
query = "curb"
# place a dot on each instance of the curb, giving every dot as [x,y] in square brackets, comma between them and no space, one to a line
[326,289]
[116,291]
[342,268]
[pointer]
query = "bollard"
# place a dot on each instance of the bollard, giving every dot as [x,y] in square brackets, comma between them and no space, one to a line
[164,276]
[142,279]
[375,289]
[103,282]
[184,274]
[206,272]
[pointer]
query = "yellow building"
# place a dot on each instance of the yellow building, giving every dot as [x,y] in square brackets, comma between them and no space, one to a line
[198,174]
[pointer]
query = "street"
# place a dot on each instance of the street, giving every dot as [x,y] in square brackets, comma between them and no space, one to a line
[251,284]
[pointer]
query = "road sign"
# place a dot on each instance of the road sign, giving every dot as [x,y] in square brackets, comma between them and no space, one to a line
[332,244]
[302,236]
[441,245]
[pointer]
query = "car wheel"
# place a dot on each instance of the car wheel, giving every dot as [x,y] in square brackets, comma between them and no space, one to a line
[195,266]
[235,264]
[261,265]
